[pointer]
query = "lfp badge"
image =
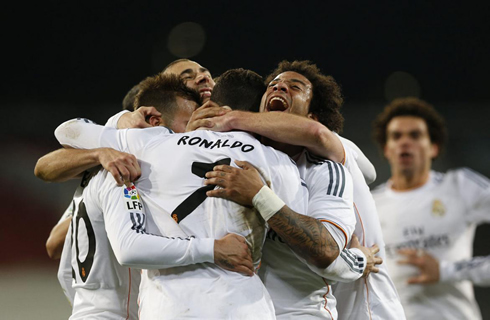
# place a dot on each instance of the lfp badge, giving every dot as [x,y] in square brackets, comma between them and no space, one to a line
[131,193]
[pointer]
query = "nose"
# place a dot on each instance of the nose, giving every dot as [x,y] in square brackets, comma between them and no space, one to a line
[405,139]
[280,86]
[202,78]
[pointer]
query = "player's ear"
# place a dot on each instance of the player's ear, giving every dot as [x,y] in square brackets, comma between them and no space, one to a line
[312,116]
[155,121]
[434,150]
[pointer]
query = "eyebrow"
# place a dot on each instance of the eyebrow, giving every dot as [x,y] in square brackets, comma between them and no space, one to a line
[201,69]
[297,80]
[187,71]
[292,80]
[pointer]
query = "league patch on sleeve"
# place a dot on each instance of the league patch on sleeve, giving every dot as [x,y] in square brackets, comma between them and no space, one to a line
[131,193]
[132,198]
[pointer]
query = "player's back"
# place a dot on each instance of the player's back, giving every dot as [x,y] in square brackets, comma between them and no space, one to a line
[104,289]
[173,169]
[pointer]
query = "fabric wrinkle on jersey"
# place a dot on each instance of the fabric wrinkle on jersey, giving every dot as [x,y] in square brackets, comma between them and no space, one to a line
[374,297]
[439,217]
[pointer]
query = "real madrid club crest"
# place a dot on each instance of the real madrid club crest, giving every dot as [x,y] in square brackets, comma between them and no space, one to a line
[438,208]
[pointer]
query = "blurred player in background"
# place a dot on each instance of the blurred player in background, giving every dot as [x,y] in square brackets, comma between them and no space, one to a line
[428,216]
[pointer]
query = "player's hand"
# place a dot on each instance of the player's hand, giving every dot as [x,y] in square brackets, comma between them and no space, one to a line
[137,118]
[371,259]
[123,166]
[201,117]
[238,185]
[232,253]
[426,263]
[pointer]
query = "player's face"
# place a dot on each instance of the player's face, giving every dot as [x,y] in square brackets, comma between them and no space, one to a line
[195,76]
[288,92]
[183,114]
[408,146]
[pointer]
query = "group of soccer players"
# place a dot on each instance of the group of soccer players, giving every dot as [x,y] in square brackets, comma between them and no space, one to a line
[271,217]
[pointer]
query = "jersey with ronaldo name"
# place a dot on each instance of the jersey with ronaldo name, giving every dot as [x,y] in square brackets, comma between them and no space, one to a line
[374,297]
[300,290]
[172,181]
[439,217]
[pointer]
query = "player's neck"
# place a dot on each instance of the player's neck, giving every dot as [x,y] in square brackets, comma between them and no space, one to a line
[288,149]
[405,181]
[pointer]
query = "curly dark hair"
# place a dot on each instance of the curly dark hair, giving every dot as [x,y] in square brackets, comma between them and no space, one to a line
[161,91]
[415,107]
[240,89]
[327,97]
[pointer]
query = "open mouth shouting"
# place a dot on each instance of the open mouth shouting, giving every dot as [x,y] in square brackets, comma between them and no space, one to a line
[277,103]
[405,156]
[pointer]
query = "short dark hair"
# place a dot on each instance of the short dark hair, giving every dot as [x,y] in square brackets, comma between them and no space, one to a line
[414,107]
[161,91]
[174,62]
[327,97]
[240,89]
[128,101]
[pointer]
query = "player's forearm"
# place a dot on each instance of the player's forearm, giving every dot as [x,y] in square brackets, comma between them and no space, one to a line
[291,129]
[146,251]
[306,236]
[349,266]
[476,270]
[56,240]
[64,164]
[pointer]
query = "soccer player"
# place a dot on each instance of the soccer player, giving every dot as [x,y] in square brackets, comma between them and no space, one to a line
[192,155]
[373,297]
[104,288]
[425,210]
[63,164]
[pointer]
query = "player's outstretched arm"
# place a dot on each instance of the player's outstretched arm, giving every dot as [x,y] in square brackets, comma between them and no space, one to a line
[125,222]
[305,235]
[431,270]
[64,164]
[285,128]
[56,239]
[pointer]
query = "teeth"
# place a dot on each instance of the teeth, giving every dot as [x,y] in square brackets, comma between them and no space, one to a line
[279,99]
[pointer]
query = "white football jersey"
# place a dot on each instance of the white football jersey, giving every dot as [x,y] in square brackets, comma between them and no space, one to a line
[172,181]
[64,269]
[439,217]
[374,297]
[297,289]
[103,288]
[476,269]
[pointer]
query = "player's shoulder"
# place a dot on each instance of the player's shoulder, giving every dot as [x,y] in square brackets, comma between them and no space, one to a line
[465,176]
[95,179]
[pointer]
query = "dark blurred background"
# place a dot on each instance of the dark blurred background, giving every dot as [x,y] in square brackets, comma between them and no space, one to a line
[62,60]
